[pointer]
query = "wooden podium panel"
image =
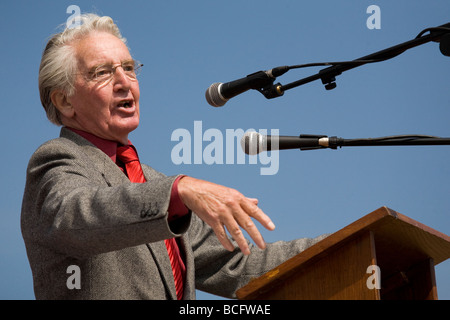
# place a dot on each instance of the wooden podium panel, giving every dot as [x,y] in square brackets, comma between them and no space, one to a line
[404,251]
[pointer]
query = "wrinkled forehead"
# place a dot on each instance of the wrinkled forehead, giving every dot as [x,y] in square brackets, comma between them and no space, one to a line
[100,48]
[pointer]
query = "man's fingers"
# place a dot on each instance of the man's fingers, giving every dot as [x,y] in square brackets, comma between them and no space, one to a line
[240,217]
[246,223]
[223,207]
[221,234]
[255,212]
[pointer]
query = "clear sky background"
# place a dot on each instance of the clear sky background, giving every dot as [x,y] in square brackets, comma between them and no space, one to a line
[187,45]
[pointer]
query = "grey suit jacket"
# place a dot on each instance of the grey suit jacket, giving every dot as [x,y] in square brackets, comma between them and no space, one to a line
[79,209]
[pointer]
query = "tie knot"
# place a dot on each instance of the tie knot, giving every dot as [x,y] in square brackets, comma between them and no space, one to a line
[127,154]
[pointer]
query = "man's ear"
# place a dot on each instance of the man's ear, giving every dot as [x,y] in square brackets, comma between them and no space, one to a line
[62,103]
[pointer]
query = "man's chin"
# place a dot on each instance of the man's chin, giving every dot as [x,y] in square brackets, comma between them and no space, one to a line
[122,134]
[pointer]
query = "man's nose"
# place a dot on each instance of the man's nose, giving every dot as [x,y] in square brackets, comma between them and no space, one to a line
[121,80]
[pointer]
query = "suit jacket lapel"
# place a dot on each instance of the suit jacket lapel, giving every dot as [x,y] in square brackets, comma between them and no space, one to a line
[100,160]
[159,252]
[189,283]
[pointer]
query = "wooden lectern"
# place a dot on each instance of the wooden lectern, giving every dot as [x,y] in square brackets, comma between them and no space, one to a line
[384,255]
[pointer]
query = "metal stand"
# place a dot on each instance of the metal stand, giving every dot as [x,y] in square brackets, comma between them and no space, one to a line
[312,142]
[328,75]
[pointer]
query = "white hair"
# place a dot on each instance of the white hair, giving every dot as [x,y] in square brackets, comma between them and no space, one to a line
[59,65]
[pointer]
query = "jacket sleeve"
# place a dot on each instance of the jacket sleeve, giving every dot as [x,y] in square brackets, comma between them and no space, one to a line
[70,206]
[222,273]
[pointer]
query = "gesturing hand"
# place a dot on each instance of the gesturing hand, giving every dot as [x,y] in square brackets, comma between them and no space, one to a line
[222,207]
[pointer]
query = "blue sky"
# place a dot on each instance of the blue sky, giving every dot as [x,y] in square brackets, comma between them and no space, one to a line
[187,45]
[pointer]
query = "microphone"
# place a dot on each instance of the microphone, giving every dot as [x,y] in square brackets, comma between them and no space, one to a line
[219,93]
[253,143]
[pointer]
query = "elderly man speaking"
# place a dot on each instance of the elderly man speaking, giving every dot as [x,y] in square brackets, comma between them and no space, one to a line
[131,232]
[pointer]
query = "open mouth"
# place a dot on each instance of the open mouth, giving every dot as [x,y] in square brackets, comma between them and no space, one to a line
[125,104]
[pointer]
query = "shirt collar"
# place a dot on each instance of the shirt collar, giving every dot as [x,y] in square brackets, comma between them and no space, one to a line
[107,146]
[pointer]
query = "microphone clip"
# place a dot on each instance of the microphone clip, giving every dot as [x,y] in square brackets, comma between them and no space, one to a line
[272,91]
[312,142]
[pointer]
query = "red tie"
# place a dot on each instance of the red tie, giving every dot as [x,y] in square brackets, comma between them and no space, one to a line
[128,155]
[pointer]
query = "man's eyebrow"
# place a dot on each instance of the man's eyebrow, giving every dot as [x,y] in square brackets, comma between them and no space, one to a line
[92,69]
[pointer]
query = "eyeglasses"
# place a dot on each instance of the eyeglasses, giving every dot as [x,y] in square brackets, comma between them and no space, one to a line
[105,72]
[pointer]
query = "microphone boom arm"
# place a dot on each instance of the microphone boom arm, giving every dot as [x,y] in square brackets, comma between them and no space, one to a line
[328,75]
[401,140]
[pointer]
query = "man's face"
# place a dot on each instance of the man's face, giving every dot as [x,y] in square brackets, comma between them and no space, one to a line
[109,110]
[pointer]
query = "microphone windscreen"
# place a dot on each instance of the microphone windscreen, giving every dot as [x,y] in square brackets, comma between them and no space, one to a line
[251,143]
[213,96]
